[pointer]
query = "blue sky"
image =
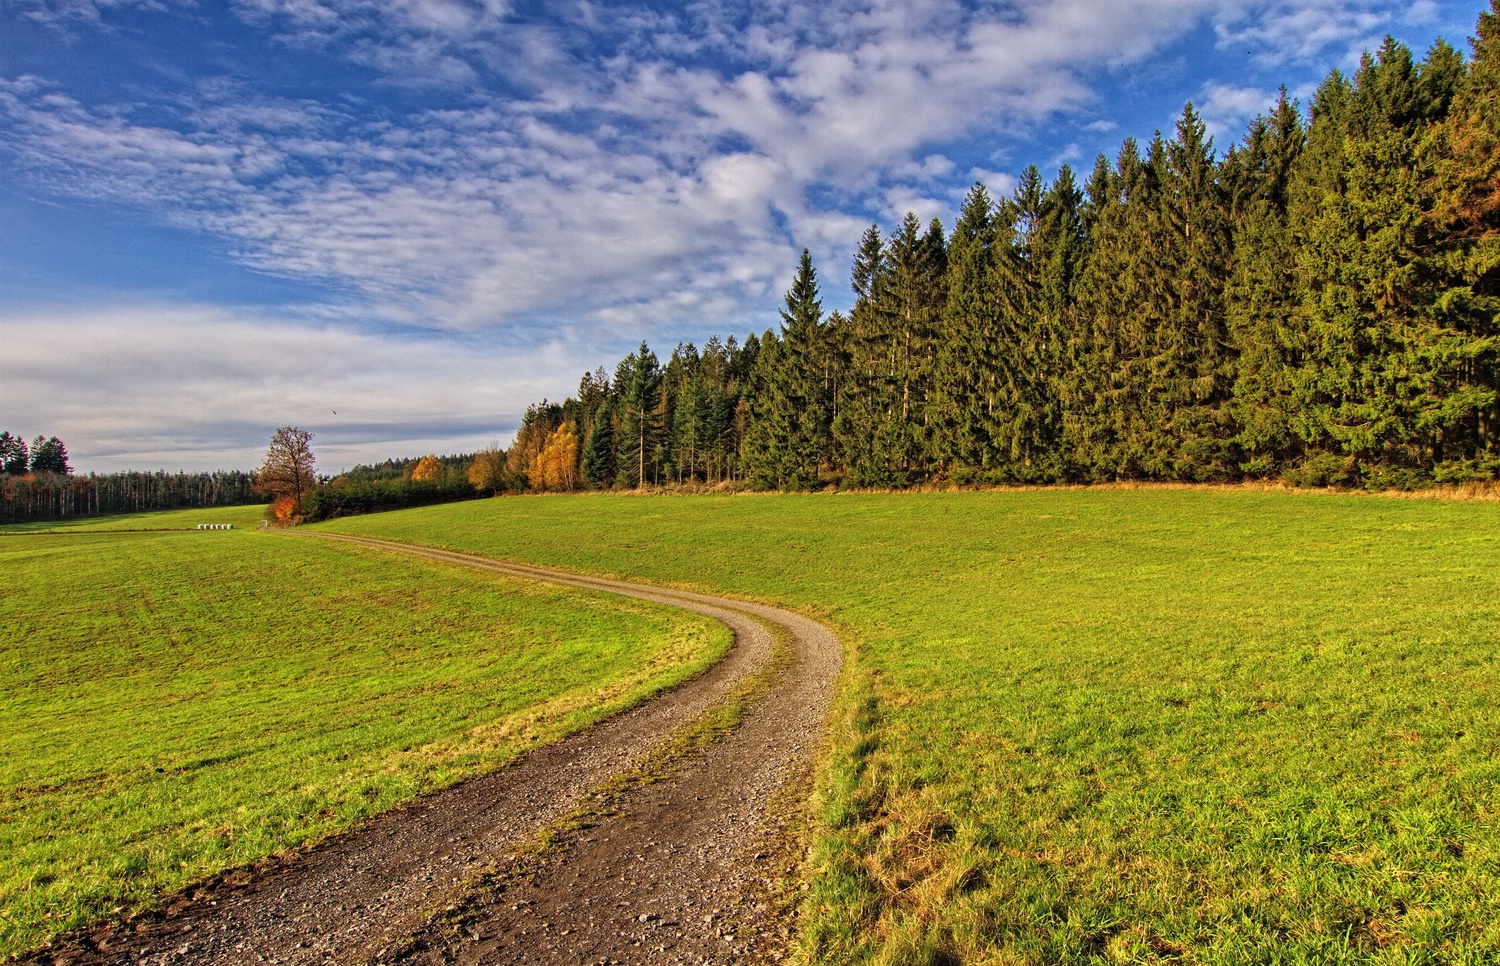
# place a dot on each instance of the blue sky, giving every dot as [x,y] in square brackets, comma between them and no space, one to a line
[397,223]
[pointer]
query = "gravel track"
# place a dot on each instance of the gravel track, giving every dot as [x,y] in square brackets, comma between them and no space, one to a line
[691,865]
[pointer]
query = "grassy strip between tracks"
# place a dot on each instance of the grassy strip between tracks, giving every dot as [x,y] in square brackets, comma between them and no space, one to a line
[180,703]
[1157,725]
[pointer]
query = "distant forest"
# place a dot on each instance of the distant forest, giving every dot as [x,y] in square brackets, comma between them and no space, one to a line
[49,496]
[37,483]
[1318,305]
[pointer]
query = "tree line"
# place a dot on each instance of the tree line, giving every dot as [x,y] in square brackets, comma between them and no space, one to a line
[37,483]
[1319,304]
[50,496]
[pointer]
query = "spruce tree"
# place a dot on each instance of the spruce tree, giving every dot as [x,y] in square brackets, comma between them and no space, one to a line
[1033,277]
[1461,257]
[1103,394]
[792,419]
[965,382]
[1261,294]
[1194,360]
[15,457]
[1363,396]
[599,450]
[761,417]
[909,296]
[638,380]
[865,397]
[49,455]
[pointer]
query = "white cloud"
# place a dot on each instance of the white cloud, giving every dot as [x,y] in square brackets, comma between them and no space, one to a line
[1284,31]
[998,183]
[202,388]
[1226,109]
[64,14]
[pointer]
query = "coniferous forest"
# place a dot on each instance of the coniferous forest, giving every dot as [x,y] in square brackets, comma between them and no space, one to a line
[1317,304]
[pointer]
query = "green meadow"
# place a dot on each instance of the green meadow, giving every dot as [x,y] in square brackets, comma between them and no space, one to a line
[1189,726]
[177,703]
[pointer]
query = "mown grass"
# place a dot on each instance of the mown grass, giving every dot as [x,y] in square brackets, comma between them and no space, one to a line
[181,703]
[1197,726]
[241,517]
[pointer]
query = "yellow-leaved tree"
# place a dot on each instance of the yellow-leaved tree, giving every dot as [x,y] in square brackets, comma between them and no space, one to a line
[556,466]
[428,468]
[487,473]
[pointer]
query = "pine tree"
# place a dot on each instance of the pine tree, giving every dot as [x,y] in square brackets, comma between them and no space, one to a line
[1104,389]
[1461,257]
[909,297]
[791,421]
[1194,358]
[1261,294]
[638,380]
[864,405]
[593,392]
[688,412]
[1032,280]
[965,384]
[761,416]
[15,457]
[599,451]
[49,455]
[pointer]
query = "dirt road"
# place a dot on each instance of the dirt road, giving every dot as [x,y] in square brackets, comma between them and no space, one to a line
[649,856]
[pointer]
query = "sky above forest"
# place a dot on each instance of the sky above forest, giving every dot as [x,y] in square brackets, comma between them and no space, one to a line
[395,224]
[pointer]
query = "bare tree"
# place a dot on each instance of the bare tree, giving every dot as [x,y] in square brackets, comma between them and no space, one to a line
[288,469]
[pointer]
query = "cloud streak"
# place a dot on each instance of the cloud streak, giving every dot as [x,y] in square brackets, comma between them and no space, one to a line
[200,388]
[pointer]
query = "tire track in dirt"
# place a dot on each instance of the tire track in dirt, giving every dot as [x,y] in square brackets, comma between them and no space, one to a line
[685,867]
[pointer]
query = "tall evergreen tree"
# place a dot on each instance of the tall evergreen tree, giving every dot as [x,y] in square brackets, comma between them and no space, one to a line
[599,450]
[1261,294]
[791,425]
[638,381]
[15,456]
[1194,359]
[865,404]
[1033,278]
[910,294]
[969,361]
[1105,384]
[1461,257]
[49,455]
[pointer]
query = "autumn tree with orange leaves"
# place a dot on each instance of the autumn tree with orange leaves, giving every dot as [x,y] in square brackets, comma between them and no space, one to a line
[556,466]
[487,471]
[428,468]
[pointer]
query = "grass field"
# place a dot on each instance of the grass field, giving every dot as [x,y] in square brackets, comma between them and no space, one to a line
[179,703]
[241,517]
[1196,726]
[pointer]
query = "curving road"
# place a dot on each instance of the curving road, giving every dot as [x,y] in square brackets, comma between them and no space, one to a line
[685,867]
